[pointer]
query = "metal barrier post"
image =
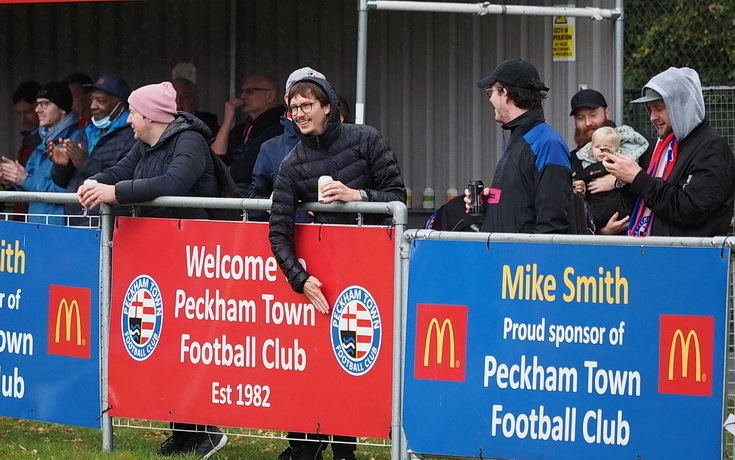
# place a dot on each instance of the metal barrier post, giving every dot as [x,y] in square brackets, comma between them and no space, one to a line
[400,217]
[729,403]
[107,223]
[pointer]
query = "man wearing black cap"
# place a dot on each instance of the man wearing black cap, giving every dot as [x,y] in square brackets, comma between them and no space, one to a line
[590,112]
[106,140]
[531,191]
[57,121]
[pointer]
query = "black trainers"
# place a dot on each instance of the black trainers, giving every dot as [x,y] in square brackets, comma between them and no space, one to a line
[210,442]
[178,443]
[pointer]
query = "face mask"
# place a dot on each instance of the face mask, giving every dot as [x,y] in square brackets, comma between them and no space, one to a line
[105,122]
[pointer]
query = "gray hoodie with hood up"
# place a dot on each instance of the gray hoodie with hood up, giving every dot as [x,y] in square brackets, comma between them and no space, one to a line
[697,197]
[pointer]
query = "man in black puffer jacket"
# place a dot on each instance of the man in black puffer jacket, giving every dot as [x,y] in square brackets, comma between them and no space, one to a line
[362,168]
[171,159]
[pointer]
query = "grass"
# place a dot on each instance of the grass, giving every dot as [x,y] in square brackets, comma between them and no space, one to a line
[25,439]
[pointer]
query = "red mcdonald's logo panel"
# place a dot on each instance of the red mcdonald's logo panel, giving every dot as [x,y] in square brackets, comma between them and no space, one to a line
[685,355]
[69,321]
[441,342]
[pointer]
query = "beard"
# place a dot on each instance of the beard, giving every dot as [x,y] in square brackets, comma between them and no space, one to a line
[582,137]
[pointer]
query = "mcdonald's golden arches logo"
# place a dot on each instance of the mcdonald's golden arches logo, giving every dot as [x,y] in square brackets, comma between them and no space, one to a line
[686,355]
[69,321]
[441,342]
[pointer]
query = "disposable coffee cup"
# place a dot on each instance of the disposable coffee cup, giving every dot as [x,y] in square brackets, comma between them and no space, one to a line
[322,180]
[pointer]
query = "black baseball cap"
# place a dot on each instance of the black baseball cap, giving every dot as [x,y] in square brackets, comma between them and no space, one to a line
[514,72]
[588,99]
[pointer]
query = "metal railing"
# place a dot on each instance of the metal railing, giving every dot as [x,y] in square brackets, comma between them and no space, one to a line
[397,210]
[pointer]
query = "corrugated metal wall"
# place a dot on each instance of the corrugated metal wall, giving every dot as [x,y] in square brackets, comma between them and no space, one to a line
[422,67]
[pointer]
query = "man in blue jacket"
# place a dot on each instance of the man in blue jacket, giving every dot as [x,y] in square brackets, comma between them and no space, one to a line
[57,121]
[531,191]
[106,140]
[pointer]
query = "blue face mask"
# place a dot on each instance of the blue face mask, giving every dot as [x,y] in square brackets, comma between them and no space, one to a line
[105,122]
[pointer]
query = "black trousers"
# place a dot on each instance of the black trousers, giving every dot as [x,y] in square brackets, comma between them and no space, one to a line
[309,443]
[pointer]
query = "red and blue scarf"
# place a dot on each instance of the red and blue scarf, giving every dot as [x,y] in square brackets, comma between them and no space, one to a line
[662,162]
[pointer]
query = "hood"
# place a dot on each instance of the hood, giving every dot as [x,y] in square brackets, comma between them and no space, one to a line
[334,126]
[682,94]
[185,121]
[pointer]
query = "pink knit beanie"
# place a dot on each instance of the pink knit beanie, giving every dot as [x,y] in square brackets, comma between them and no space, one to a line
[156,102]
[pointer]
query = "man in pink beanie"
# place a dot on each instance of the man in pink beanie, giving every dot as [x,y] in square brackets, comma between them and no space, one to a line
[171,158]
[155,102]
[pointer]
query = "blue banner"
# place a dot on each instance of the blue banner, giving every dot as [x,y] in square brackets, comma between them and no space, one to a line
[553,351]
[49,323]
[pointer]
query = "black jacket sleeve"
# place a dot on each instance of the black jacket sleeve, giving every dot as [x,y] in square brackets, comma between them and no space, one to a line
[703,185]
[283,212]
[187,165]
[385,172]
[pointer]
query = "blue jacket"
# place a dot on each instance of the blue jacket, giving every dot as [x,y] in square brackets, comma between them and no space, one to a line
[104,150]
[532,185]
[272,152]
[39,170]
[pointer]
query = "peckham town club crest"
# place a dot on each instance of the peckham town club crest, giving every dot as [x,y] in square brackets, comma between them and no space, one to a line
[142,317]
[356,330]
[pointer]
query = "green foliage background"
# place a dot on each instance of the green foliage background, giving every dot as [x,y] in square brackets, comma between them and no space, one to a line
[662,33]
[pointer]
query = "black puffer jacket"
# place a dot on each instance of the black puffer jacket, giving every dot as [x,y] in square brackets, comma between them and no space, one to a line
[355,155]
[110,148]
[179,164]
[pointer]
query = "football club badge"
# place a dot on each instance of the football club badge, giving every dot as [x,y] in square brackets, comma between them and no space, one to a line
[356,330]
[142,317]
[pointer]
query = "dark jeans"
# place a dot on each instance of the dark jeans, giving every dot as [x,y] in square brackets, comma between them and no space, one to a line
[307,445]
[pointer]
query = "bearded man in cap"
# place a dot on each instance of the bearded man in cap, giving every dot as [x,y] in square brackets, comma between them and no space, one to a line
[531,191]
[688,187]
[57,121]
[105,141]
[590,112]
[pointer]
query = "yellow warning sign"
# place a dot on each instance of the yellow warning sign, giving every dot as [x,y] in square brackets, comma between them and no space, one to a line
[563,39]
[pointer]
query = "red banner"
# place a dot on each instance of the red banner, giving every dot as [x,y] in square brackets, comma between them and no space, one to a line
[61,1]
[205,328]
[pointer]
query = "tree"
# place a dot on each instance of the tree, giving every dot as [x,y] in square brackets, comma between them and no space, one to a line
[663,33]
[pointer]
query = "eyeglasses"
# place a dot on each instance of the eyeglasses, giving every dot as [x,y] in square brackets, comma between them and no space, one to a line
[305,107]
[250,91]
[43,104]
[489,91]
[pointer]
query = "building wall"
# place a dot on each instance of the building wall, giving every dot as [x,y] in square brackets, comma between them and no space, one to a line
[421,77]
